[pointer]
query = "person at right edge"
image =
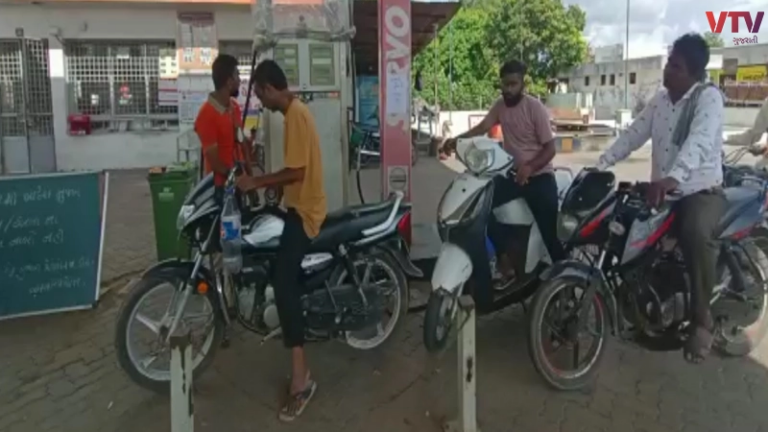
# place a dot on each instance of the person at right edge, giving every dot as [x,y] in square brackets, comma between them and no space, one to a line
[528,137]
[750,137]
[684,122]
[302,180]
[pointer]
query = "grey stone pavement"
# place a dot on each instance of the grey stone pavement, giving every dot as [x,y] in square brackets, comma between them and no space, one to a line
[59,373]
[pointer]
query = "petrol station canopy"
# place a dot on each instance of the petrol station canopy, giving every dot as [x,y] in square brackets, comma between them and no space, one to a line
[328,19]
[425,15]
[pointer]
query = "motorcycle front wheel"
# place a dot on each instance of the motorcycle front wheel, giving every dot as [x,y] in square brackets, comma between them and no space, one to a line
[439,320]
[148,311]
[556,337]
[743,318]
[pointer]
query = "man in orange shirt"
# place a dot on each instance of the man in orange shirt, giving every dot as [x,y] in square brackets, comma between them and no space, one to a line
[219,123]
[302,180]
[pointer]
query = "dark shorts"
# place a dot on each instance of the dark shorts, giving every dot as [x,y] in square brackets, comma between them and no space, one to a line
[294,244]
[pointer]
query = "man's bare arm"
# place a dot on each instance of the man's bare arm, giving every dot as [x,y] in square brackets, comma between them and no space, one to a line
[214,161]
[283,177]
[481,128]
[543,157]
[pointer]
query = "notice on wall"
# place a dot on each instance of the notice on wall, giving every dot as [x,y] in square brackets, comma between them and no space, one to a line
[196,42]
[190,102]
[398,92]
[193,91]
[167,92]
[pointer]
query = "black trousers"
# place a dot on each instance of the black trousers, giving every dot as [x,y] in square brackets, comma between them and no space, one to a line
[697,218]
[541,195]
[294,244]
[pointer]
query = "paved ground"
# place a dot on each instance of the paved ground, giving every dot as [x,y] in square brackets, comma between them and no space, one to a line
[58,373]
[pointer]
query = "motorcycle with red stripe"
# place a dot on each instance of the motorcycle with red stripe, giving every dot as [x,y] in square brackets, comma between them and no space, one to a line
[635,287]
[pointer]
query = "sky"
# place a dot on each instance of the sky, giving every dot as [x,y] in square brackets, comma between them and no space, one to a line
[654,24]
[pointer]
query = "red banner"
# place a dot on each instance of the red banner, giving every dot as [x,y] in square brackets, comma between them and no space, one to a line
[395,95]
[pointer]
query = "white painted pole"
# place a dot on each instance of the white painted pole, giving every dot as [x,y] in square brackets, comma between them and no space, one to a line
[467,370]
[182,405]
[626,62]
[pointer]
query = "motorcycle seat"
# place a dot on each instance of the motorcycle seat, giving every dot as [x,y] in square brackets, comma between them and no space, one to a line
[737,198]
[347,224]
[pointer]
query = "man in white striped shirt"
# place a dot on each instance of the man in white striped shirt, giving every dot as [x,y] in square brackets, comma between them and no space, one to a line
[685,124]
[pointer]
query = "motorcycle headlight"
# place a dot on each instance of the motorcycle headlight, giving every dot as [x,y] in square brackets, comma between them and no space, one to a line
[567,226]
[184,213]
[477,160]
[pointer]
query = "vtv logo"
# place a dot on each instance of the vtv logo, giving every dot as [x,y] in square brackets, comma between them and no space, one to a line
[717,26]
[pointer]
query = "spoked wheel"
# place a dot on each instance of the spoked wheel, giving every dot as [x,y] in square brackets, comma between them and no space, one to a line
[564,351]
[381,271]
[439,319]
[143,325]
[741,315]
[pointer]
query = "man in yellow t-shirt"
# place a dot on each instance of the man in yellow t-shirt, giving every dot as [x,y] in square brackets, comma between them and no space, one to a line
[302,181]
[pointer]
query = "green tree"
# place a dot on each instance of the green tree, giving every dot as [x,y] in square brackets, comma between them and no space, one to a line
[714,40]
[546,35]
[473,67]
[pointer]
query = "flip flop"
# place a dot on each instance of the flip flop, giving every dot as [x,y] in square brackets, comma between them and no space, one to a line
[698,345]
[297,402]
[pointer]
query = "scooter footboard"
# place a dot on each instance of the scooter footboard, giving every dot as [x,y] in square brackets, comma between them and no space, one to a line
[452,270]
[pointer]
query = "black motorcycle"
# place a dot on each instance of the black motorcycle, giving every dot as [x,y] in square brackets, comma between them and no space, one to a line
[354,280]
[637,288]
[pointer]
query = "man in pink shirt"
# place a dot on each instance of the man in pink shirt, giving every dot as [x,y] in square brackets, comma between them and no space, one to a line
[528,137]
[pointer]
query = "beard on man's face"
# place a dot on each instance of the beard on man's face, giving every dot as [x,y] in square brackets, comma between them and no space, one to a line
[235,92]
[511,100]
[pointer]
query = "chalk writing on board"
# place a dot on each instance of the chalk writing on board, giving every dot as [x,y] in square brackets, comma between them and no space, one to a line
[50,242]
[22,230]
[63,282]
[59,196]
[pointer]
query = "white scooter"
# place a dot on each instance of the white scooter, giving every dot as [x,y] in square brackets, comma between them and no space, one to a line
[467,254]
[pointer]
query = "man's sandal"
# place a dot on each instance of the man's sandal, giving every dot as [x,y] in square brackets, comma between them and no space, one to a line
[297,402]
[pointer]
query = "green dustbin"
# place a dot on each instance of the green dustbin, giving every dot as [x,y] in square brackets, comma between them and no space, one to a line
[169,186]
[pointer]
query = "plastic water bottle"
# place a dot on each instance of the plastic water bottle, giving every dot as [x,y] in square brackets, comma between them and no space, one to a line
[489,247]
[230,233]
[491,257]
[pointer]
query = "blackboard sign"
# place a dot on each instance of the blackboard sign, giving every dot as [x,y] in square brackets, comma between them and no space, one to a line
[51,240]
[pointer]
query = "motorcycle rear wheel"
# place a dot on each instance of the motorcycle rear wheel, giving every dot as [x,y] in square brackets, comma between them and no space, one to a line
[399,294]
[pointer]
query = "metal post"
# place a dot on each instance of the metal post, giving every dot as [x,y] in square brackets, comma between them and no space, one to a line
[626,63]
[522,18]
[467,371]
[450,73]
[436,65]
[182,405]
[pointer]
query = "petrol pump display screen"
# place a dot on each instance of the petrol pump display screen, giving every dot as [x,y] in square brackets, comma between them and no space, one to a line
[321,67]
[287,56]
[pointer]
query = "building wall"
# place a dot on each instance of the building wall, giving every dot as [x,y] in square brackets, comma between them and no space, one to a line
[607,97]
[75,21]
[756,54]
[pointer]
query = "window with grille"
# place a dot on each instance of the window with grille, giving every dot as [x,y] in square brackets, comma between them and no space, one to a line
[116,83]
[241,50]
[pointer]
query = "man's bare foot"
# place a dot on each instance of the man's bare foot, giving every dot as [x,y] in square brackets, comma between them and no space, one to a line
[298,398]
